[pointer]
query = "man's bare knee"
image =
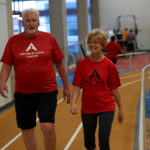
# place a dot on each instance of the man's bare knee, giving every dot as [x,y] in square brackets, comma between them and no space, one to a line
[47,127]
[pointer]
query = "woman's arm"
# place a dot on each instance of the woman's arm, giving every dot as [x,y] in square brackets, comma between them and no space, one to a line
[119,103]
[75,96]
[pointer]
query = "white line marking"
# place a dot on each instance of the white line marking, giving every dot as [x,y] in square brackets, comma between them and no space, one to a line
[75,134]
[17,136]
[60,100]
[73,137]
[126,84]
[134,75]
[124,77]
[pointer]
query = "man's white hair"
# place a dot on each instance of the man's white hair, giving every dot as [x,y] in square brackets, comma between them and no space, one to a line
[30,10]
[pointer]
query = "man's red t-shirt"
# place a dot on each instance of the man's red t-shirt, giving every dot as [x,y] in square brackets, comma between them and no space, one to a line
[97,79]
[112,49]
[33,60]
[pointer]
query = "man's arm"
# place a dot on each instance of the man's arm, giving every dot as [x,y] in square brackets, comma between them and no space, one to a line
[63,74]
[4,74]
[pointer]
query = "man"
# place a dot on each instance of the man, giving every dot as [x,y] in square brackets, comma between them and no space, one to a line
[131,41]
[113,48]
[124,33]
[32,53]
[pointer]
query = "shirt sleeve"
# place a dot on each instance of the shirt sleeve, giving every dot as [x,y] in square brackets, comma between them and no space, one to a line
[7,56]
[57,53]
[77,80]
[113,78]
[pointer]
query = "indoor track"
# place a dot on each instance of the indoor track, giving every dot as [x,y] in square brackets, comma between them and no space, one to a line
[69,128]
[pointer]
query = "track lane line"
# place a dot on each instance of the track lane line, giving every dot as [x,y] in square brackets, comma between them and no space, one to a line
[134,75]
[73,137]
[79,127]
[18,135]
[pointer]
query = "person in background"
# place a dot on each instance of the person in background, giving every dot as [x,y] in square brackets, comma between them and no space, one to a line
[119,38]
[131,41]
[97,76]
[112,49]
[125,32]
[33,54]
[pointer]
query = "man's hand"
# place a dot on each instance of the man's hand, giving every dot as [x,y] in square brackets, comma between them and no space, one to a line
[67,94]
[4,74]
[120,116]
[3,90]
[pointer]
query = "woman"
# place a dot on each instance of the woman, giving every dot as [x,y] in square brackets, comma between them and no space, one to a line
[99,80]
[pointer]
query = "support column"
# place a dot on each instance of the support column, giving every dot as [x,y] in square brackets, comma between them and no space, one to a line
[10,33]
[58,25]
[9,18]
[6,30]
[95,14]
[82,12]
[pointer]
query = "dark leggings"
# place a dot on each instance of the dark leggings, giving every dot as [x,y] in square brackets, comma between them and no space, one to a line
[89,128]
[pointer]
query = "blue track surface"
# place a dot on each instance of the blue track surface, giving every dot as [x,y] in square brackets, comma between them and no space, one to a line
[147,105]
[70,78]
[71,75]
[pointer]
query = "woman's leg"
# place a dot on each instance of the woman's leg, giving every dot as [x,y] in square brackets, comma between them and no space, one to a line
[89,128]
[105,124]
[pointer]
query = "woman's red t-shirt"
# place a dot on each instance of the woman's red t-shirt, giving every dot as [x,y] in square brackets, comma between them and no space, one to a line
[96,80]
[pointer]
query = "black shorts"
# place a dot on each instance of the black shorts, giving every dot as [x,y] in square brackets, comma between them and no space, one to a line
[27,105]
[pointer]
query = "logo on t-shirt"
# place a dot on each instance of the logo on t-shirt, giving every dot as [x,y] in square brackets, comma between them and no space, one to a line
[31,52]
[94,79]
[95,75]
[31,46]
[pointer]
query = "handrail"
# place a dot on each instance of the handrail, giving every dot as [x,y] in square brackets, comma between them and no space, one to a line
[80,52]
[77,43]
[142,112]
[130,54]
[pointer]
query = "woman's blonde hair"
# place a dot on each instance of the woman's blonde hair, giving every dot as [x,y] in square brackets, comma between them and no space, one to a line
[100,35]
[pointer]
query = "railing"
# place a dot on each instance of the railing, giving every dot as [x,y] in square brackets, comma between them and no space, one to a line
[133,61]
[127,61]
[130,55]
[76,52]
[144,89]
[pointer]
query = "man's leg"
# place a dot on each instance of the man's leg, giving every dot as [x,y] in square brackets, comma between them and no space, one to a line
[46,112]
[26,118]
[92,149]
[49,135]
[29,139]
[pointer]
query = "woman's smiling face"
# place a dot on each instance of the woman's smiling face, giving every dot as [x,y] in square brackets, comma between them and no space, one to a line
[94,45]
